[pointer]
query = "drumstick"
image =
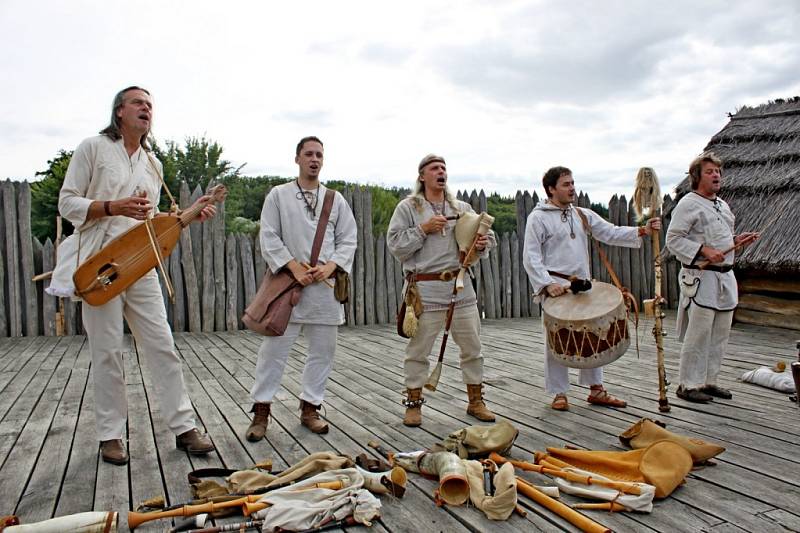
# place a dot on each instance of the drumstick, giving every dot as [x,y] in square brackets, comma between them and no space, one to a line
[325,281]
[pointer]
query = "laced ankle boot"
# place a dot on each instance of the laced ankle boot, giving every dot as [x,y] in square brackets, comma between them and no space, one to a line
[477,407]
[413,403]
[309,417]
[258,427]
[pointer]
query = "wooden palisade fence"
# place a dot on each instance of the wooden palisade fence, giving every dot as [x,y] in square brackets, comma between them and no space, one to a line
[216,275]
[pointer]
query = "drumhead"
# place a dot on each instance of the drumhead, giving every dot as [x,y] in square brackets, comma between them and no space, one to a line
[600,300]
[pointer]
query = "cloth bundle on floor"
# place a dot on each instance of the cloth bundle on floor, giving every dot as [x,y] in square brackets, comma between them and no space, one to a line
[479,441]
[663,464]
[252,481]
[642,503]
[645,432]
[766,377]
[295,509]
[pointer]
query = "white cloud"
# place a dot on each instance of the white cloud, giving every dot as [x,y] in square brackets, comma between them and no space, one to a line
[503,90]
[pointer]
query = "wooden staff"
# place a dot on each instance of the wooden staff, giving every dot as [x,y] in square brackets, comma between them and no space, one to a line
[621,486]
[569,514]
[647,195]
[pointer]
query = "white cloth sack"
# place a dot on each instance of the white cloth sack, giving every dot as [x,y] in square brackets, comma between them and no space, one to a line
[296,510]
[780,381]
[642,503]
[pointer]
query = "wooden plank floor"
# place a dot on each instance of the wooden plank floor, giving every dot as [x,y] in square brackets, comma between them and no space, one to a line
[49,463]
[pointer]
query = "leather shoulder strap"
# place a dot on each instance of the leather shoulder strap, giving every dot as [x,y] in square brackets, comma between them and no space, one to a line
[327,205]
[600,251]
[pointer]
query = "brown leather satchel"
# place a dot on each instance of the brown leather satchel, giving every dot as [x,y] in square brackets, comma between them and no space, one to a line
[271,309]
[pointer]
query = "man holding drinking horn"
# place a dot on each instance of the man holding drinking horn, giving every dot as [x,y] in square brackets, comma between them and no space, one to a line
[289,222]
[700,234]
[555,257]
[112,184]
[421,235]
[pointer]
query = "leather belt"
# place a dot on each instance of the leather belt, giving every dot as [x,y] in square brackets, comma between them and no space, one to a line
[712,268]
[448,275]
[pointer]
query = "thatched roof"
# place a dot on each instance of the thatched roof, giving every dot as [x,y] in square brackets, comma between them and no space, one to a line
[760,148]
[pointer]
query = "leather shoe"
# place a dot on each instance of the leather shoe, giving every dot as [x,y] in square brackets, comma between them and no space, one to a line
[258,427]
[717,392]
[693,395]
[194,442]
[113,451]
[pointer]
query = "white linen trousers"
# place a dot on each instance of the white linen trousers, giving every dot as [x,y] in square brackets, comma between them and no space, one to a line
[142,305]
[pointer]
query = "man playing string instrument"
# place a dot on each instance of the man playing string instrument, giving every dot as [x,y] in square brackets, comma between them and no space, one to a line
[288,226]
[421,236]
[701,230]
[555,249]
[112,184]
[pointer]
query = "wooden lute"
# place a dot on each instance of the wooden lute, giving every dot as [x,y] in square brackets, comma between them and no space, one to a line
[127,258]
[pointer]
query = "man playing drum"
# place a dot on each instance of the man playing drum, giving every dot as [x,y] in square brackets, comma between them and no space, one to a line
[421,236]
[556,245]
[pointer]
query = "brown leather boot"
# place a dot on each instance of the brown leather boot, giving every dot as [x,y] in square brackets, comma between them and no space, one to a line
[413,403]
[477,407]
[194,442]
[258,427]
[309,417]
[113,451]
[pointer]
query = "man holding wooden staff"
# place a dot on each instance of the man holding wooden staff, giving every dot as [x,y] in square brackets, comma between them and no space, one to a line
[113,182]
[288,227]
[555,249]
[421,236]
[700,234]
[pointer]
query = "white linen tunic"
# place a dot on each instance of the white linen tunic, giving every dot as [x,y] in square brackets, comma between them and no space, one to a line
[430,253]
[549,246]
[697,222]
[287,232]
[100,169]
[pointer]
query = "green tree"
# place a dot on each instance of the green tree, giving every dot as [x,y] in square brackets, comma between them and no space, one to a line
[44,197]
[198,162]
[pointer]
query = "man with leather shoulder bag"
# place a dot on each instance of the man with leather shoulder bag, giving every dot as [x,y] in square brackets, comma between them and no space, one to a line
[290,217]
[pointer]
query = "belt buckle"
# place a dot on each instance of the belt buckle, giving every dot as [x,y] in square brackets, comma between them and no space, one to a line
[447,276]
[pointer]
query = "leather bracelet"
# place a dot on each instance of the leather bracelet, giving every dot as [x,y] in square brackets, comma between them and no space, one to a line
[106,207]
[642,231]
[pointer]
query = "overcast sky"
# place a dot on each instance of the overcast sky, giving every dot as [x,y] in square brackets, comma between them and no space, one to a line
[503,90]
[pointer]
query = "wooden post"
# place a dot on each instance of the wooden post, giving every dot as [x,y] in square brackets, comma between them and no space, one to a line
[48,301]
[3,254]
[178,306]
[209,292]
[533,307]
[505,275]
[220,297]
[248,271]
[381,304]
[516,293]
[12,259]
[196,232]
[391,292]
[522,276]
[232,278]
[359,278]
[369,258]
[29,302]
[349,308]
[189,267]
